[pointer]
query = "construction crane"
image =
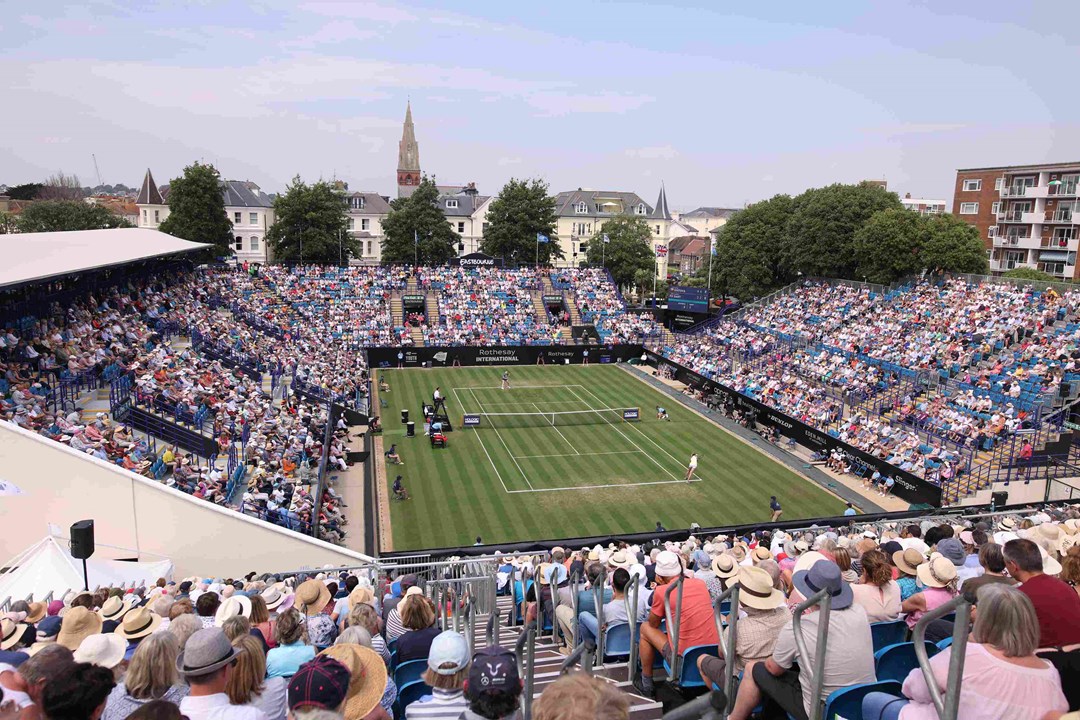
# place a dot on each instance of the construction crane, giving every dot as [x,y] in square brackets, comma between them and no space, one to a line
[96,170]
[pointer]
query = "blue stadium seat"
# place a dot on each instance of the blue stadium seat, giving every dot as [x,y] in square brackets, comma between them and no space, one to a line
[888,633]
[846,703]
[409,671]
[896,661]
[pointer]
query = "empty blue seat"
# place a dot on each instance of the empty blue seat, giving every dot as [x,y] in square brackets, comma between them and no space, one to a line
[409,671]
[888,633]
[896,661]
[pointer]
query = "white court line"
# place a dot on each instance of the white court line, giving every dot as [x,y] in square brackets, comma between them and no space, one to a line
[615,452]
[576,451]
[546,402]
[498,435]
[619,430]
[516,387]
[600,487]
[497,473]
[640,431]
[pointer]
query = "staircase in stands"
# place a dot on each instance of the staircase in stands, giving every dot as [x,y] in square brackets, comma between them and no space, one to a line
[397,309]
[548,660]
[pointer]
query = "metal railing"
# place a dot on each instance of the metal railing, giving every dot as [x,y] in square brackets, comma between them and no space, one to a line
[673,623]
[814,666]
[732,596]
[947,705]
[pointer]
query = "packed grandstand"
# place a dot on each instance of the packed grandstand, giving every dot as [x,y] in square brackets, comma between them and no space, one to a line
[940,378]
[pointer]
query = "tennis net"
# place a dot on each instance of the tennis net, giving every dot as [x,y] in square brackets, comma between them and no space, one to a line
[511,420]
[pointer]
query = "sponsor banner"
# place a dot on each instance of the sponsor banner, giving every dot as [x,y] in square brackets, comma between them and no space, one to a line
[631,414]
[383,357]
[907,487]
[476,260]
[470,420]
[553,299]
[412,299]
[681,321]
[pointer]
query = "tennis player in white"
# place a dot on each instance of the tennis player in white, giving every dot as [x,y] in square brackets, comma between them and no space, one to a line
[691,468]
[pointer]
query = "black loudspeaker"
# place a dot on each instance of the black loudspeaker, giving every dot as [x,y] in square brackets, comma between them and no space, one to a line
[405,416]
[999,499]
[410,429]
[82,539]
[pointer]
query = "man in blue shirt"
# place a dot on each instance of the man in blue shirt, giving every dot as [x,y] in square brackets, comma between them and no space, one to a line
[850,510]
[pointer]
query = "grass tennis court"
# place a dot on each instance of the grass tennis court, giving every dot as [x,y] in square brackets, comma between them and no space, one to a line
[553,458]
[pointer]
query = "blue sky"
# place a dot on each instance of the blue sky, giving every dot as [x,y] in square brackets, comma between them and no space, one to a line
[726,103]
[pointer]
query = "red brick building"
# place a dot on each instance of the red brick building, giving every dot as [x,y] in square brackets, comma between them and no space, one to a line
[1028,215]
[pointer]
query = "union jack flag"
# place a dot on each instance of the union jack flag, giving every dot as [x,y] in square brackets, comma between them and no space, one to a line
[661,251]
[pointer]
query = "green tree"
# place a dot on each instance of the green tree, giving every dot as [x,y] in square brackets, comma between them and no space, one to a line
[418,216]
[26,191]
[523,210]
[954,246]
[628,250]
[751,251]
[57,215]
[197,209]
[823,224]
[310,225]
[645,280]
[890,245]
[8,223]
[1026,273]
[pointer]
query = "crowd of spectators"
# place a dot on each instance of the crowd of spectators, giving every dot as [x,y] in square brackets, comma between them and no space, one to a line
[483,306]
[327,645]
[1021,573]
[825,352]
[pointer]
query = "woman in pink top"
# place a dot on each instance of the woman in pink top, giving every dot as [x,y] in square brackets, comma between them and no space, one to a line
[876,591]
[1003,679]
[938,578]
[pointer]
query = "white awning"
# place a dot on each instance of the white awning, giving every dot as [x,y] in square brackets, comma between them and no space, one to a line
[34,257]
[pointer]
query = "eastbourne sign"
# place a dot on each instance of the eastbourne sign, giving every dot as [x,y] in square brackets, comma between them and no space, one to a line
[477,260]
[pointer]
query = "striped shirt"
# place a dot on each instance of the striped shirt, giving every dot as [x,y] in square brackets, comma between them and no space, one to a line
[441,705]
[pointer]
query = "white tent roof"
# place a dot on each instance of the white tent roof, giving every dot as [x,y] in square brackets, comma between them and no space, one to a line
[30,257]
[47,566]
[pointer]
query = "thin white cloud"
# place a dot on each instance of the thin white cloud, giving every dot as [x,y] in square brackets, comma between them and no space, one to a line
[558,104]
[368,11]
[659,152]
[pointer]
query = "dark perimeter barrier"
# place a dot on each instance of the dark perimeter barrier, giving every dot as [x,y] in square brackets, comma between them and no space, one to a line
[908,487]
[387,357]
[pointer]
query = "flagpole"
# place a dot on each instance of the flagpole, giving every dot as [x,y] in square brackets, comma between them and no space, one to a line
[537,264]
[656,271]
[708,286]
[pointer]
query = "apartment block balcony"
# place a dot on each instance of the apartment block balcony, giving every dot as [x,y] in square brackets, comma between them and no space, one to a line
[1063,217]
[1020,242]
[1064,189]
[1005,264]
[1024,191]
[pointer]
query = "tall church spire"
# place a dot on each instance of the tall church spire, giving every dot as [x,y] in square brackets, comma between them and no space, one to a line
[661,212]
[408,171]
